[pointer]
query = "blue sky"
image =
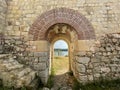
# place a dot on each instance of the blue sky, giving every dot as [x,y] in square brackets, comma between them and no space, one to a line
[60,44]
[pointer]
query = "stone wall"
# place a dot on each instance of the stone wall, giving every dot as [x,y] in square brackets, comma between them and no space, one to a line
[103,15]
[38,61]
[103,62]
[3,11]
[87,65]
[20,51]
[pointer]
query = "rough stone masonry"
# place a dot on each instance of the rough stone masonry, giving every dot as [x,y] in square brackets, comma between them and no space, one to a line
[103,62]
[94,42]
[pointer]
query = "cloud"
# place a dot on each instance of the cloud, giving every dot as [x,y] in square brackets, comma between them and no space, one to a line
[60,44]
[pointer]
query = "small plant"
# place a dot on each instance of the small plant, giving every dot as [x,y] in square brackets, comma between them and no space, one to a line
[76,84]
[23,88]
[102,85]
[50,82]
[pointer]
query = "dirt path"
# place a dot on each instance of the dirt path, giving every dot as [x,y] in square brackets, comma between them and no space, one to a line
[62,79]
[62,71]
[62,82]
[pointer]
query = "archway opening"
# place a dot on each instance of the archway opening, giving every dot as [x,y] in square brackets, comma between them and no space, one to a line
[61,66]
[60,62]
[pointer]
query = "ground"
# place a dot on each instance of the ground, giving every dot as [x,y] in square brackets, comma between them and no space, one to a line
[60,65]
[60,70]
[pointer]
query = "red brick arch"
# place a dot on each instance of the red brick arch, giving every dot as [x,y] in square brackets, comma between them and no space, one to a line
[71,17]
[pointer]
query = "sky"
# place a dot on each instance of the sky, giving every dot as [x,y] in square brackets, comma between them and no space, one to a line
[60,44]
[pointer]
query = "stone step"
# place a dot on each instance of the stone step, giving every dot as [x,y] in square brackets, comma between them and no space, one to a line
[24,72]
[34,84]
[12,73]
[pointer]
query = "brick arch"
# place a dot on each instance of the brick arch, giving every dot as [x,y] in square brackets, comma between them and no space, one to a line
[71,17]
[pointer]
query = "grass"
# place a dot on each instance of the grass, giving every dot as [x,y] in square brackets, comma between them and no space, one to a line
[101,85]
[11,88]
[50,82]
[60,65]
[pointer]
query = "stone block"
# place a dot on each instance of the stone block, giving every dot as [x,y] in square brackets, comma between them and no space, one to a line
[45,88]
[43,73]
[80,68]
[102,49]
[83,79]
[96,70]
[114,40]
[117,48]
[84,60]
[115,69]
[94,60]
[1,49]
[90,77]
[13,67]
[14,74]
[40,66]
[116,36]
[108,49]
[105,69]
[80,53]
[105,59]
[43,59]
[44,80]
[24,72]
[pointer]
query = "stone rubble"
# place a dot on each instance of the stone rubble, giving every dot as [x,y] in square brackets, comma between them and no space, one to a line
[15,74]
[19,49]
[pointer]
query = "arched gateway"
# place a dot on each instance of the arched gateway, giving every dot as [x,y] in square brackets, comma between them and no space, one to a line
[56,24]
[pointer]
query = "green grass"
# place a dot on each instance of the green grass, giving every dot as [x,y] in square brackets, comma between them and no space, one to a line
[101,85]
[10,88]
[60,64]
[50,82]
[6,88]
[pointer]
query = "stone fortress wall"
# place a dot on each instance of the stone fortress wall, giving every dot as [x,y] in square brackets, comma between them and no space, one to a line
[91,59]
[102,63]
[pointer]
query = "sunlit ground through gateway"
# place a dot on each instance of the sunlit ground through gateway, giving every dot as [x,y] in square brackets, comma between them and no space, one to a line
[60,65]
